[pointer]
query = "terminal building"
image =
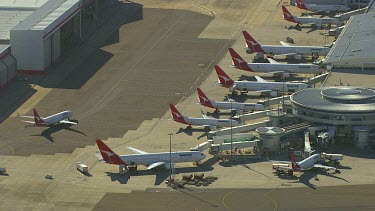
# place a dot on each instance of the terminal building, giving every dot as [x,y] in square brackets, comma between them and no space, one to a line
[355,46]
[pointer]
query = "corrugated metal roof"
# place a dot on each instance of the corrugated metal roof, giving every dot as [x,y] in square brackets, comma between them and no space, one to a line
[357,40]
[10,18]
[47,14]
[22,4]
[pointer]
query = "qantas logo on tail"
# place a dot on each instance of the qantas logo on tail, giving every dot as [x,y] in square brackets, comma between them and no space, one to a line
[38,121]
[203,99]
[108,155]
[224,79]
[295,165]
[252,43]
[176,115]
[238,62]
[301,5]
[287,16]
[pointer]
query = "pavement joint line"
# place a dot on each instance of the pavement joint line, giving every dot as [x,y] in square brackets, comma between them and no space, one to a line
[152,47]
[205,8]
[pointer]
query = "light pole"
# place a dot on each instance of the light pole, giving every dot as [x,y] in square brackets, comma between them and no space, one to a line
[231,141]
[170,159]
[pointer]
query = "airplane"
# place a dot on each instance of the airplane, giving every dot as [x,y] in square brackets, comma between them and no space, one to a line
[284,49]
[261,85]
[151,160]
[306,164]
[322,7]
[203,99]
[59,118]
[274,67]
[208,123]
[309,20]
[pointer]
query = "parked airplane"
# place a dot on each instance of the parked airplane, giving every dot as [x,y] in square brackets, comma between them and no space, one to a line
[151,160]
[306,164]
[309,20]
[205,121]
[59,118]
[203,99]
[261,85]
[274,67]
[322,7]
[284,49]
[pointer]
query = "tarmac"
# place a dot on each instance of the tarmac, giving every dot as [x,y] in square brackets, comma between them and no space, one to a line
[119,84]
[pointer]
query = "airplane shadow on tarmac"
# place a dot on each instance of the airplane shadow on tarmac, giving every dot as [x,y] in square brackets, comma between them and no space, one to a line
[161,174]
[190,131]
[47,133]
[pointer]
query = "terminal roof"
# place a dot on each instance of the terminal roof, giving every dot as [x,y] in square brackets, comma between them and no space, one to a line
[357,40]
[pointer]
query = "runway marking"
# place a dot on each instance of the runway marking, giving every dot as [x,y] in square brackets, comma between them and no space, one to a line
[223,200]
[266,195]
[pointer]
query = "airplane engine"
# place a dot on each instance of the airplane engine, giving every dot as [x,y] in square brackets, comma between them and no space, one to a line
[273,93]
[233,88]
[286,75]
[298,57]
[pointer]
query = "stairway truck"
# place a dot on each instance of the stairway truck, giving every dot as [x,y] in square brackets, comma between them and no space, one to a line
[82,168]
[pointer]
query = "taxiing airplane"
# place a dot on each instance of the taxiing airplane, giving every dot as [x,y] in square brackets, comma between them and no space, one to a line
[311,162]
[206,122]
[274,67]
[203,99]
[261,85]
[309,20]
[284,49]
[59,118]
[322,7]
[151,160]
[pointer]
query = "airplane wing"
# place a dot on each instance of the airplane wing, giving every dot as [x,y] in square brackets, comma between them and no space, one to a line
[282,162]
[31,117]
[323,167]
[68,122]
[154,165]
[137,150]
[284,44]
[204,115]
[259,79]
[28,122]
[289,54]
[272,61]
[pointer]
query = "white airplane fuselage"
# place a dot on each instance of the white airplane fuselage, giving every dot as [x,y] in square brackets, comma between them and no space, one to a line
[150,158]
[309,162]
[301,50]
[273,86]
[293,68]
[56,118]
[318,21]
[213,122]
[327,8]
[238,106]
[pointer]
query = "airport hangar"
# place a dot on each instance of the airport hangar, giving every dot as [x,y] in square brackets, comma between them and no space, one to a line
[35,33]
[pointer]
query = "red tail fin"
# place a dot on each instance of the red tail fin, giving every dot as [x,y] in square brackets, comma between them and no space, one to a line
[238,61]
[203,99]
[177,115]
[295,165]
[252,43]
[224,79]
[108,155]
[287,16]
[38,121]
[301,5]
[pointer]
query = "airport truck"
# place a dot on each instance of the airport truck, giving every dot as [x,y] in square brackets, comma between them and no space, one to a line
[82,168]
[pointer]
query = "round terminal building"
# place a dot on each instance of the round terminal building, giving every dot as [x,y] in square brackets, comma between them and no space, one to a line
[335,105]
